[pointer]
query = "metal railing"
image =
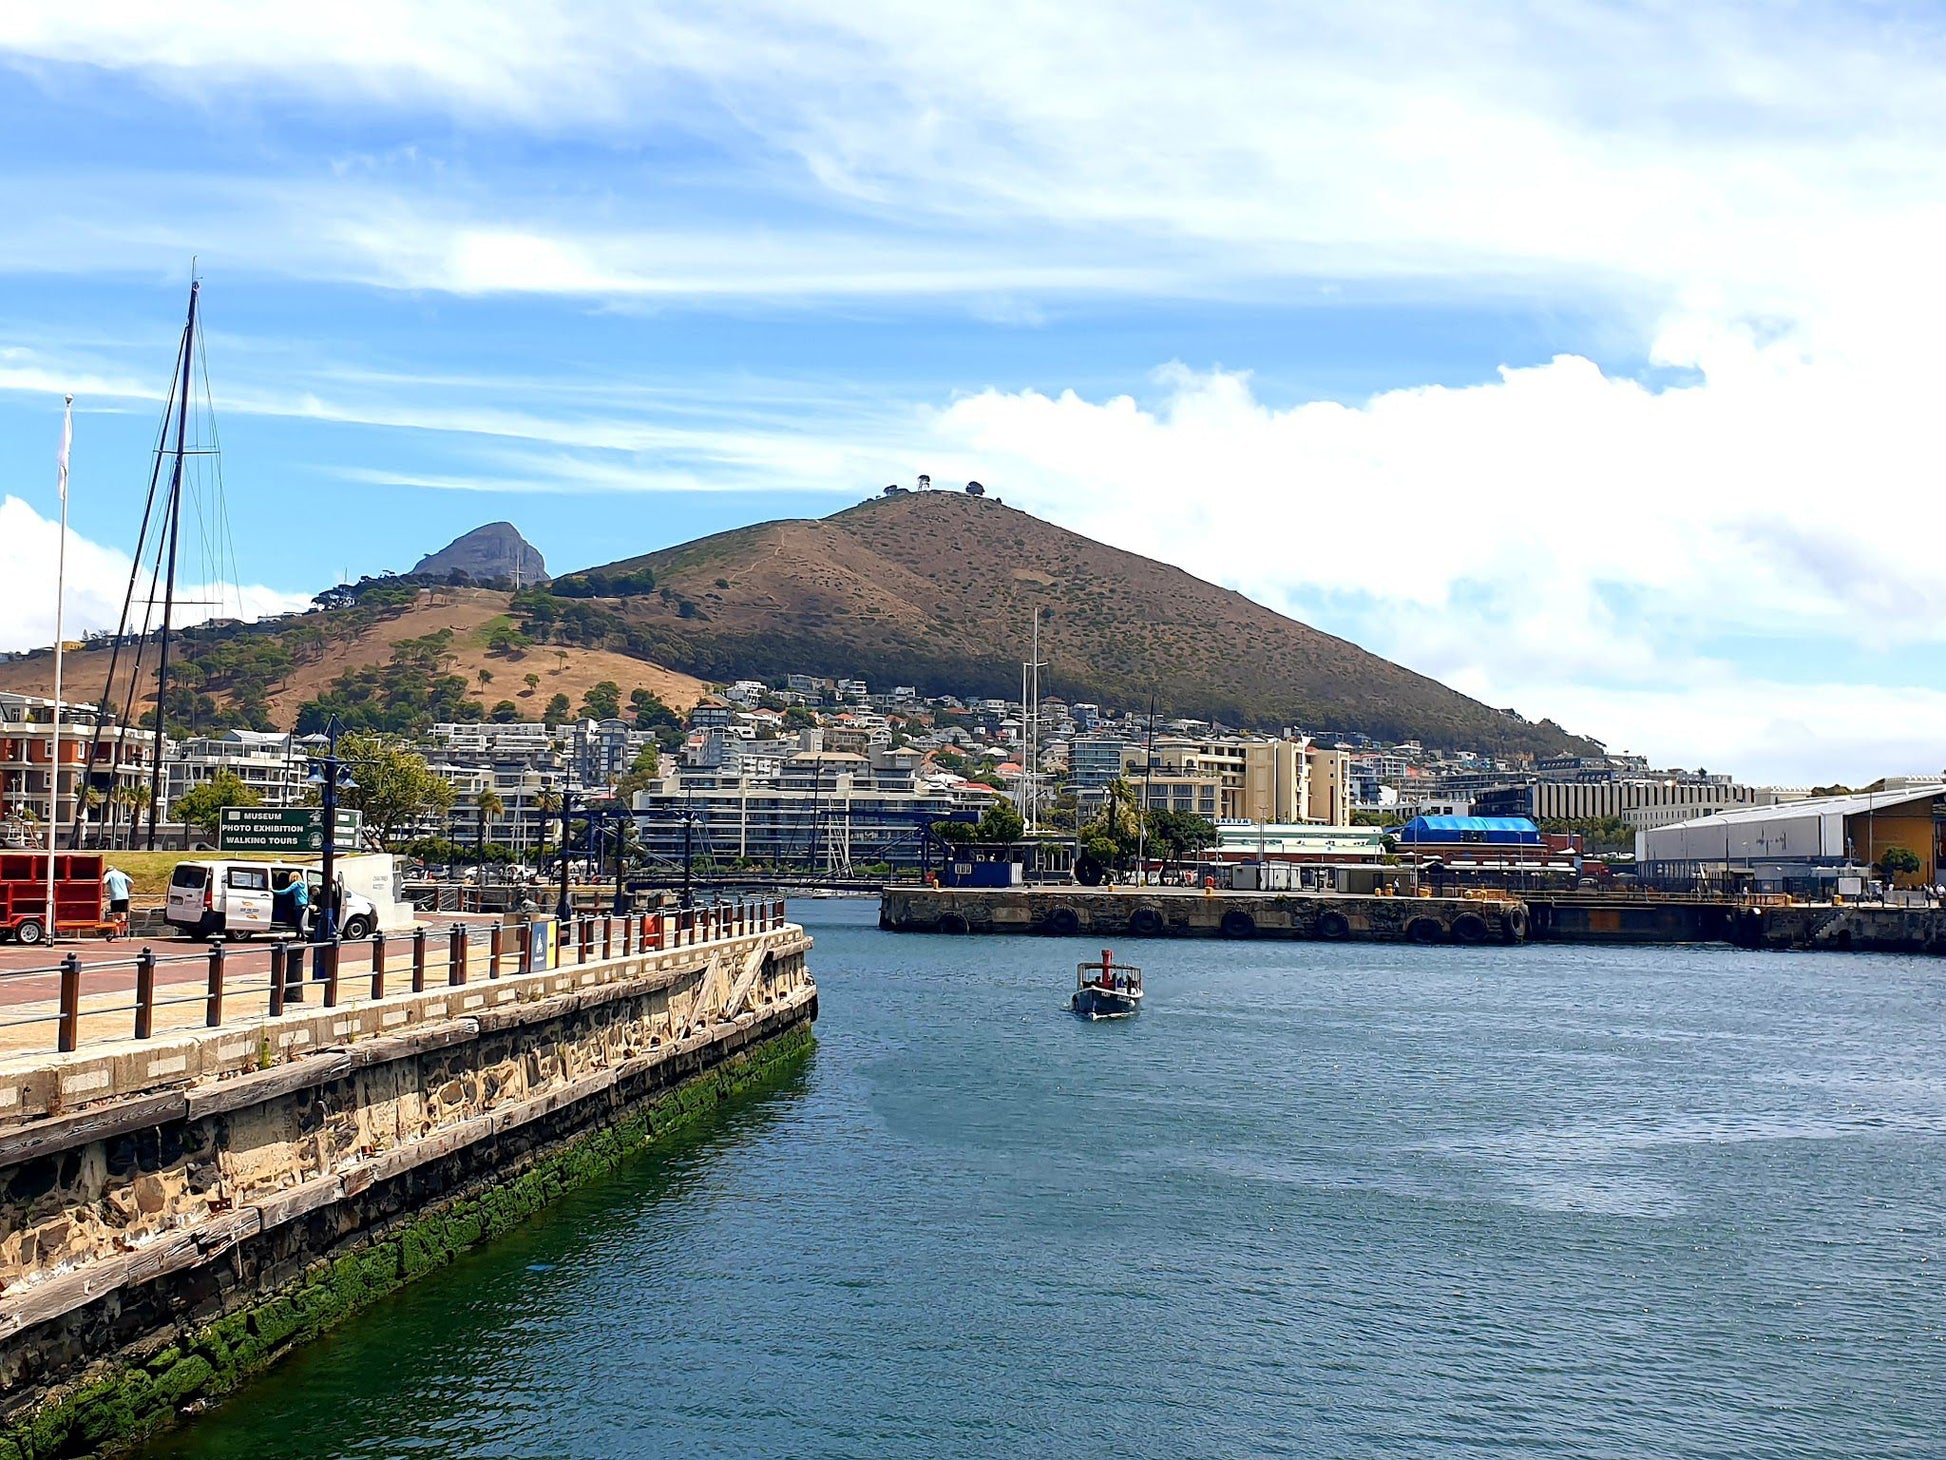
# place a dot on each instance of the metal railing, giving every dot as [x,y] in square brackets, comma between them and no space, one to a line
[342,971]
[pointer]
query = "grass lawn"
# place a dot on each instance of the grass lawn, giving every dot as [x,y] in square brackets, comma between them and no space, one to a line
[149,871]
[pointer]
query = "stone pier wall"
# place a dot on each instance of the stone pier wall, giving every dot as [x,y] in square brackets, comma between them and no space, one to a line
[164,1241]
[1159,912]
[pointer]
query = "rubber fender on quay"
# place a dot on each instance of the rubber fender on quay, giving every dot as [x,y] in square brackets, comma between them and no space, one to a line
[1333,925]
[1062,922]
[1469,928]
[953,923]
[1238,924]
[1145,922]
[1424,930]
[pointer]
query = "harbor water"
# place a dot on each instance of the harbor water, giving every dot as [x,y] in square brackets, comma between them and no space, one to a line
[1316,1200]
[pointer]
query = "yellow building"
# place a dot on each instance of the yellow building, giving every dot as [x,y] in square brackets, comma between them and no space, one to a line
[1281,780]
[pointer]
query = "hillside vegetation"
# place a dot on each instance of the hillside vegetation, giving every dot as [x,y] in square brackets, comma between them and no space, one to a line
[400,655]
[937,589]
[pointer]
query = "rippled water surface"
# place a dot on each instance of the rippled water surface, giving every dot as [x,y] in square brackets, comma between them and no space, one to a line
[1317,1200]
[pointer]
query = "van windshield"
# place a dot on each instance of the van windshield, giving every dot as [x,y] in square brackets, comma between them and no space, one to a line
[188,874]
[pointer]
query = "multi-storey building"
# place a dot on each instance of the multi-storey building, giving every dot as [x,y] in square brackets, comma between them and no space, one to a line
[272,764]
[113,775]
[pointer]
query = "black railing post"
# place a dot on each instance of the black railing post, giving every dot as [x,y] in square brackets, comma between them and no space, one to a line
[418,960]
[378,965]
[331,951]
[213,1009]
[278,954]
[145,993]
[68,1032]
[456,956]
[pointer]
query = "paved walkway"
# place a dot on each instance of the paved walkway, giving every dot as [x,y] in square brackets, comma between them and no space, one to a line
[30,985]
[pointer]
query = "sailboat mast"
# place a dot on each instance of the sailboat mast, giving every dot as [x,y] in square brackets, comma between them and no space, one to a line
[174,529]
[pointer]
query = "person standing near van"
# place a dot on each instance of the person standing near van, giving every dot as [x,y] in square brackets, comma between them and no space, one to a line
[118,886]
[301,905]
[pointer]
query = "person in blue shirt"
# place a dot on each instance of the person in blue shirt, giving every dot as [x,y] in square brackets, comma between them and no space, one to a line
[117,885]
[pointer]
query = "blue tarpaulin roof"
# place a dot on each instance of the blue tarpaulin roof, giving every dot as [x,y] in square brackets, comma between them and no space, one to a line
[1516,830]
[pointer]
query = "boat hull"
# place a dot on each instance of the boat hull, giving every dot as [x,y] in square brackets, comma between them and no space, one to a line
[1100,1003]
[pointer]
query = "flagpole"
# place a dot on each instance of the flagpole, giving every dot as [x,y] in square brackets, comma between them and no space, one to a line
[60,630]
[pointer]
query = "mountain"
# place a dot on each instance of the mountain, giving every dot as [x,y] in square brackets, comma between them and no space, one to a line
[491,554]
[937,590]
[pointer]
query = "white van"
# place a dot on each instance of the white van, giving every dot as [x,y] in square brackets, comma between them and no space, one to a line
[239,899]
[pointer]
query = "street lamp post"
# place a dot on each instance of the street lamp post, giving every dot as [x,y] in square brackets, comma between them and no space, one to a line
[330,775]
[565,909]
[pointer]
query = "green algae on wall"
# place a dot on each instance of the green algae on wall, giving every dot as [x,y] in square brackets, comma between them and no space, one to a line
[140,1397]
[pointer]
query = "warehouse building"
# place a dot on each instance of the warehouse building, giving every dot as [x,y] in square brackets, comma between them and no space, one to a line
[1802,846]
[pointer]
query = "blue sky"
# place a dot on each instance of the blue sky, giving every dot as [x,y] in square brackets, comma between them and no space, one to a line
[1580,355]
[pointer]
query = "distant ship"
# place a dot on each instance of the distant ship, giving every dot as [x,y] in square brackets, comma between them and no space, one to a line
[1106,990]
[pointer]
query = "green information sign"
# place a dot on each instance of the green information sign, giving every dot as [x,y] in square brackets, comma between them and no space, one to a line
[276,829]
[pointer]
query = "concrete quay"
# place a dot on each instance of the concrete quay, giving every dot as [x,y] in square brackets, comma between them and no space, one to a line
[1841,928]
[178,1212]
[1175,912]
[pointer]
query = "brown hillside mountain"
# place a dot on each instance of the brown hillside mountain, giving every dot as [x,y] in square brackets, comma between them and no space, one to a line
[937,589]
[468,612]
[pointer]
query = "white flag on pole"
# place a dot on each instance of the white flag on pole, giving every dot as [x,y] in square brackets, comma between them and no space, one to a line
[67,440]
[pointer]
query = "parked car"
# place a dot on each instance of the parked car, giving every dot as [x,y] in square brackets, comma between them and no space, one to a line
[237,899]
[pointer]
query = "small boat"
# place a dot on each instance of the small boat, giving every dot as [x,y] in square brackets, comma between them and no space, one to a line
[1106,990]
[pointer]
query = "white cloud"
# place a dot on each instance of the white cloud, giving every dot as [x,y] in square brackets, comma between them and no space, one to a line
[1750,193]
[97,578]
[1560,540]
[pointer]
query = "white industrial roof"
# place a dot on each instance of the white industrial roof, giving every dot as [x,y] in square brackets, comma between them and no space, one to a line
[1851,805]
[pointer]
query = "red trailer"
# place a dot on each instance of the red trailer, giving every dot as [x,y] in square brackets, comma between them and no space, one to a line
[78,903]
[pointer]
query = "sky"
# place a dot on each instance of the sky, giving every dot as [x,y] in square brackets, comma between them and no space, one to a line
[1584,356]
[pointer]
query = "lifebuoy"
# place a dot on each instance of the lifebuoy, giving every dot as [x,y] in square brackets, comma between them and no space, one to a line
[1334,925]
[1424,930]
[1238,924]
[1145,922]
[1469,928]
[1063,922]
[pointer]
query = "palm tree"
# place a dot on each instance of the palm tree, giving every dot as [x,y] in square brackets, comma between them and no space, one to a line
[486,678]
[547,803]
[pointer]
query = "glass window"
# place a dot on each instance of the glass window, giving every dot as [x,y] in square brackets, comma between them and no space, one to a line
[249,879]
[188,874]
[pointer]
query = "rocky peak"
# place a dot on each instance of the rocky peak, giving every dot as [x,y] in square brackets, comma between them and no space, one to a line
[490,554]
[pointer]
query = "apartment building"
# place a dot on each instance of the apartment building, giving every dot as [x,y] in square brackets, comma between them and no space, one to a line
[112,773]
[272,764]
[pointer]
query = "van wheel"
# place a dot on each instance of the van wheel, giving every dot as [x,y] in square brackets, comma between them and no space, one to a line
[356,928]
